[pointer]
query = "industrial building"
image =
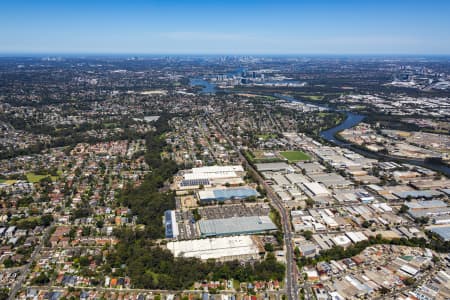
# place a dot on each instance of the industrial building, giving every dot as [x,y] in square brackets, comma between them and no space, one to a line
[307,249]
[170,224]
[316,189]
[211,175]
[277,166]
[331,180]
[426,194]
[442,231]
[437,210]
[236,226]
[356,237]
[419,205]
[221,248]
[221,195]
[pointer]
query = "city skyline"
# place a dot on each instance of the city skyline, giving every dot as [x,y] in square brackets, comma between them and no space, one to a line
[200,27]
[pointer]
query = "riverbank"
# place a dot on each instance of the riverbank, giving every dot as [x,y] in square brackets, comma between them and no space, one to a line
[352,119]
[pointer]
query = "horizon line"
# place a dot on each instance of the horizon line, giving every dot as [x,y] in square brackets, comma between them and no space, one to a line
[112,54]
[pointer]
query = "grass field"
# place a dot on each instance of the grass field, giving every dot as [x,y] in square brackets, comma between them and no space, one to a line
[266,136]
[294,156]
[313,97]
[258,156]
[5,181]
[33,178]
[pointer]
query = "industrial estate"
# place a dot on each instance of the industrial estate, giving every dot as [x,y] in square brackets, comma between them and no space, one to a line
[228,177]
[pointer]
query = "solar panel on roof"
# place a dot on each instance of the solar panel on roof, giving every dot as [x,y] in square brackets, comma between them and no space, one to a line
[194,182]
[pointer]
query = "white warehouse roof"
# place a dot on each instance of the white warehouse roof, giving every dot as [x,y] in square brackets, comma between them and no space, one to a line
[356,236]
[316,188]
[210,175]
[218,169]
[215,247]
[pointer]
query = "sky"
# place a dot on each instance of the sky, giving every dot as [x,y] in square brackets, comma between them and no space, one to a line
[225,27]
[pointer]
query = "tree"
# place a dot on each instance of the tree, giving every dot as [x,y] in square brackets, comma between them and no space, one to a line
[307,234]
[268,247]
[84,261]
[46,220]
[366,224]
[403,209]
[409,281]
[41,279]
[100,223]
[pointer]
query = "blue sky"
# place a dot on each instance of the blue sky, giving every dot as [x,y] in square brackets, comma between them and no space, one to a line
[225,27]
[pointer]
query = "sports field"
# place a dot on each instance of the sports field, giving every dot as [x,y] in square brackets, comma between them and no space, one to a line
[293,156]
[33,178]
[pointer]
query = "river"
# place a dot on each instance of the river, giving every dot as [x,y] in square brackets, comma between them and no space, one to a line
[207,87]
[352,119]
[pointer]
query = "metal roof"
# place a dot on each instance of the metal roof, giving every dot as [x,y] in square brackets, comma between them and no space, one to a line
[225,194]
[236,225]
[443,232]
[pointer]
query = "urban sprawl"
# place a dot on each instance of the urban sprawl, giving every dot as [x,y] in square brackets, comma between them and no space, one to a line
[228,177]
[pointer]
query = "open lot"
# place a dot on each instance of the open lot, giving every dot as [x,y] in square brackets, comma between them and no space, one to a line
[294,156]
[262,156]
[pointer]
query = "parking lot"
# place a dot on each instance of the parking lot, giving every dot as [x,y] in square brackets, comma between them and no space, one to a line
[186,226]
[238,210]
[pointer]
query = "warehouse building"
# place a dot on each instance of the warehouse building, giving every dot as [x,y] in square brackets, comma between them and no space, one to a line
[221,195]
[278,166]
[236,226]
[217,169]
[223,248]
[442,231]
[419,205]
[211,175]
[437,210]
[342,241]
[356,237]
[170,224]
[331,180]
[315,189]
[426,194]
[307,249]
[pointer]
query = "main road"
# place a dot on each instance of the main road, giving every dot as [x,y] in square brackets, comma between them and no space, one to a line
[291,266]
[26,269]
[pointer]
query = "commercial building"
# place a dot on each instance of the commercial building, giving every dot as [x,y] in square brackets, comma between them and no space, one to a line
[222,248]
[236,226]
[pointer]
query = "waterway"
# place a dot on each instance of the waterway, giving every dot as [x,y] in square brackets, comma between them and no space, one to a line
[207,87]
[352,119]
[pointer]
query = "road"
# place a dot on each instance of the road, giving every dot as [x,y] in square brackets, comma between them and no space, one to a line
[26,269]
[291,266]
[54,288]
